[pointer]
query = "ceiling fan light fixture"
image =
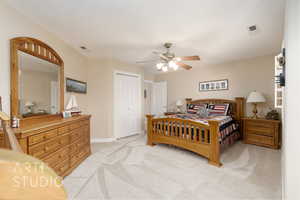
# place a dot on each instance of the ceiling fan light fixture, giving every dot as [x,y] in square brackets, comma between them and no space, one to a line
[165,68]
[173,65]
[159,66]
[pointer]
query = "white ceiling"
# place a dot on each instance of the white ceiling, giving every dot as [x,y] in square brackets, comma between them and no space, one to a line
[129,30]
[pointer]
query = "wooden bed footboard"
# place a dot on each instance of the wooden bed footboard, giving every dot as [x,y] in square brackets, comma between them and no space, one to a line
[197,137]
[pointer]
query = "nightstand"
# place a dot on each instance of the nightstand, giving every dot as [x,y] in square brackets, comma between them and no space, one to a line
[173,113]
[262,132]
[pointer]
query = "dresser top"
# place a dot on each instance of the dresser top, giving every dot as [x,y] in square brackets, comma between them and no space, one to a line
[23,132]
[261,120]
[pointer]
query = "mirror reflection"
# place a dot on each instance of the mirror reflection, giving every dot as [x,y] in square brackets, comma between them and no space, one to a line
[38,86]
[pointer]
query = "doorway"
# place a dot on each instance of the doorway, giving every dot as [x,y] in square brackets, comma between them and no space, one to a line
[127,104]
[159,98]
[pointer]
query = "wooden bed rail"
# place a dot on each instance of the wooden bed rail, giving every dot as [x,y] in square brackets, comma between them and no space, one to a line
[10,140]
[199,138]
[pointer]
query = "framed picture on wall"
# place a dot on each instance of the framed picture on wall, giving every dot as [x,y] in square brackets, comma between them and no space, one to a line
[76,86]
[216,85]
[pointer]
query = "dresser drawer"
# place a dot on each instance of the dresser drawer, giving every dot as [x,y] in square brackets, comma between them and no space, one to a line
[80,156]
[260,131]
[62,167]
[1,142]
[45,148]
[260,139]
[75,125]
[63,130]
[78,145]
[86,129]
[75,134]
[86,122]
[42,137]
[57,157]
[259,124]
[78,133]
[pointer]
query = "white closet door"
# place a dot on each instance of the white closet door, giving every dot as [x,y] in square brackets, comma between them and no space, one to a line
[127,105]
[159,98]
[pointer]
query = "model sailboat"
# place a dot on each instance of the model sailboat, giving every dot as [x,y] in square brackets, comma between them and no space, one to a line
[72,106]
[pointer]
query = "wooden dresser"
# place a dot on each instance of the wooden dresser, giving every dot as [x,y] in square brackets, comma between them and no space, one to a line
[262,132]
[63,143]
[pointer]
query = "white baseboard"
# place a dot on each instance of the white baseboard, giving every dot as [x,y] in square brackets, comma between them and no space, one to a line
[102,140]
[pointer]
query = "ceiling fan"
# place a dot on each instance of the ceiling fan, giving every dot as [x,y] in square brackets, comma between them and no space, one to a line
[168,60]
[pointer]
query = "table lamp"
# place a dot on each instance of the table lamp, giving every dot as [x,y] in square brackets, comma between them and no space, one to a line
[255,98]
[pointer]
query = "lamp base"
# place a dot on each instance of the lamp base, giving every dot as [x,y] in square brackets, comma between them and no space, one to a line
[255,111]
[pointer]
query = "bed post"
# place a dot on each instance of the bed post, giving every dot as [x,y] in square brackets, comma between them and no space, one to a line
[188,102]
[214,157]
[240,107]
[240,112]
[149,130]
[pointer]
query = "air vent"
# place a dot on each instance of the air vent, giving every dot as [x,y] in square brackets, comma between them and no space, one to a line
[252,28]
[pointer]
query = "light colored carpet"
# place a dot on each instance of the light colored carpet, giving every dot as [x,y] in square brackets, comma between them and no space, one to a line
[128,169]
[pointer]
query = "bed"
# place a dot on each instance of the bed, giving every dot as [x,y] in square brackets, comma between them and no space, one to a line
[206,136]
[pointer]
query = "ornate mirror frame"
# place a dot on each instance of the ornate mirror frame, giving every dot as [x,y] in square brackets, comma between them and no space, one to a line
[37,49]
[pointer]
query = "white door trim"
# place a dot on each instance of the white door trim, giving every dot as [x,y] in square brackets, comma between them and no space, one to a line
[115,101]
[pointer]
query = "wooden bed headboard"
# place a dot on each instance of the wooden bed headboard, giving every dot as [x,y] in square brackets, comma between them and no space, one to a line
[237,106]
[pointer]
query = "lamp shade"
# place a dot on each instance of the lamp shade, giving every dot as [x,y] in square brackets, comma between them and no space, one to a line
[179,103]
[256,97]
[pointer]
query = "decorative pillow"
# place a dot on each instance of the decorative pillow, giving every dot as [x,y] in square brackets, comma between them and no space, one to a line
[193,108]
[218,109]
[202,112]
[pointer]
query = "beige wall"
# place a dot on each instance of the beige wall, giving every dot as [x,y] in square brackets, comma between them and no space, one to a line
[244,77]
[149,76]
[100,94]
[13,25]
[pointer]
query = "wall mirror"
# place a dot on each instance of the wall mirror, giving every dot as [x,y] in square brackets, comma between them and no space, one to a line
[37,80]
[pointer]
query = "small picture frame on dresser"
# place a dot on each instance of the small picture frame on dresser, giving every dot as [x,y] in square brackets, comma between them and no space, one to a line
[67,114]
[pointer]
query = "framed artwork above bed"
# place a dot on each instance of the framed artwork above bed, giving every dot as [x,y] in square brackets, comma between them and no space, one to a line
[216,85]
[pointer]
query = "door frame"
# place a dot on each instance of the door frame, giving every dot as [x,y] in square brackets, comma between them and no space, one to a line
[115,100]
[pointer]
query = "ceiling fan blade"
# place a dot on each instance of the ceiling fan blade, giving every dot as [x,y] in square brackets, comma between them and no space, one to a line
[188,58]
[162,56]
[185,66]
